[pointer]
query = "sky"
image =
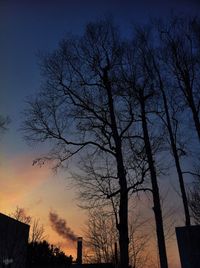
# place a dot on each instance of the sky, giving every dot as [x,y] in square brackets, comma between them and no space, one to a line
[27,27]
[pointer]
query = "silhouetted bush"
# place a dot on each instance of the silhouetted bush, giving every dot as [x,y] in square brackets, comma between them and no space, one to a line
[45,255]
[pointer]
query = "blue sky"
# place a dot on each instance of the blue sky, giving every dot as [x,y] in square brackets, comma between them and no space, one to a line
[29,26]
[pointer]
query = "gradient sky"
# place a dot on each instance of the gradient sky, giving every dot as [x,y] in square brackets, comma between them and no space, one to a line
[27,27]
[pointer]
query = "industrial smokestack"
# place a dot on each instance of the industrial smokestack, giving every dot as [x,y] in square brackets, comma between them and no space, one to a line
[79,250]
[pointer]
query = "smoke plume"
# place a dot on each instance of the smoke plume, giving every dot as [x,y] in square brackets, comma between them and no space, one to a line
[60,226]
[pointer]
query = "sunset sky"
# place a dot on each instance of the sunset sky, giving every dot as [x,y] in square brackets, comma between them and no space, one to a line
[27,27]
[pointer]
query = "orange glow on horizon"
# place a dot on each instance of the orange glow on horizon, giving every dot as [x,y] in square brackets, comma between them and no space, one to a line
[39,191]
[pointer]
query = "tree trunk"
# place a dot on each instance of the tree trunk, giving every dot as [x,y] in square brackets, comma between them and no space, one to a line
[121,172]
[155,189]
[123,228]
[177,162]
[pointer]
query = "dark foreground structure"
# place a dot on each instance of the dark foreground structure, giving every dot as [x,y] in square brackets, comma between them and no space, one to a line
[188,239]
[13,242]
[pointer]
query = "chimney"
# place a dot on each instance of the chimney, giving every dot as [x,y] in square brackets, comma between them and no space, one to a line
[79,250]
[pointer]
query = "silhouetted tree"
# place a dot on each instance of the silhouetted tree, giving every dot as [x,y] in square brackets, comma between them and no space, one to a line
[100,236]
[101,104]
[36,233]
[194,203]
[21,215]
[180,39]
[194,198]
[82,110]
[168,109]
[139,81]
[139,254]
[42,254]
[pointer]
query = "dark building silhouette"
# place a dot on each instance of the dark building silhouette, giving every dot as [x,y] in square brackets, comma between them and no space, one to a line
[188,239]
[13,242]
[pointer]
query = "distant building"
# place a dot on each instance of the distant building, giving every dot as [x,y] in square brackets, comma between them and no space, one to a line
[13,242]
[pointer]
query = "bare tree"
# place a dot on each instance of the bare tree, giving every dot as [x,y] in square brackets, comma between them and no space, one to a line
[82,109]
[36,233]
[21,215]
[95,106]
[155,189]
[139,79]
[194,198]
[101,236]
[180,39]
[194,203]
[168,111]
[139,242]
[98,105]
[101,239]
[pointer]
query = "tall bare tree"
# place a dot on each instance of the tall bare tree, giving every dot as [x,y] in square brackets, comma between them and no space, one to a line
[82,109]
[180,39]
[139,80]
[98,105]
[168,110]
